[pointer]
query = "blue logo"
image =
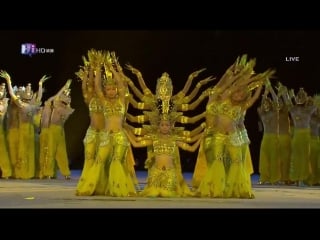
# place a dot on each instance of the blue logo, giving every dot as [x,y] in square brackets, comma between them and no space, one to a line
[31,49]
[28,49]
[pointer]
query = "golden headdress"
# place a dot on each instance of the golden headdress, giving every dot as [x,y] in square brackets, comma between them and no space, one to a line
[301,96]
[108,78]
[27,92]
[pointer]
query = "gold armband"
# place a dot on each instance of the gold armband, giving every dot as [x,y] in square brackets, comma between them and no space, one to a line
[186,133]
[185,107]
[198,85]
[15,98]
[147,92]
[137,131]
[186,99]
[140,105]
[184,119]
[141,119]
[180,94]
[213,91]
[143,142]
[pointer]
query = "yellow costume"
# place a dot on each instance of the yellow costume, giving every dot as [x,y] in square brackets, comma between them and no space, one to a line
[13,135]
[315,160]
[165,181]
[269,162]
[110,174]
[5,164]
[300,155]
[91,139]
[25,166]
[57,152]
[284,153]
[226,174]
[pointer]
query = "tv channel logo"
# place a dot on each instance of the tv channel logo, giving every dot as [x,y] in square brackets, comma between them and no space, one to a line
[31,49]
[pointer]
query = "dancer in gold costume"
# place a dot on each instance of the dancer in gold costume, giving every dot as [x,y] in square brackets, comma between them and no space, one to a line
[29,104]
[164,97]
[95,107]
[5,164]
[163,94]
[164,141]
[54,146]
[226,175]
[110,174]
[314,179]
[301,113]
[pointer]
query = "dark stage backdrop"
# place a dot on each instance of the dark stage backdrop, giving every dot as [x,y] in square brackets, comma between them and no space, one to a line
[177,52]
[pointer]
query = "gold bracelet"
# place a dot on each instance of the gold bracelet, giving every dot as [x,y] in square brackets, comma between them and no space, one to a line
[141,105]
[180,94]
[186,133]
[198,85]
[184,119]
[141,119]
[147,92]
[186,99]
[137,131]
[185,107]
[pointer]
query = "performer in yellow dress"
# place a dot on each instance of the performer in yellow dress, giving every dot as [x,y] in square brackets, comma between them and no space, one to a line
[5,164]
[226,175]
[163,163]
[28,104]
[109,175]
[95,107]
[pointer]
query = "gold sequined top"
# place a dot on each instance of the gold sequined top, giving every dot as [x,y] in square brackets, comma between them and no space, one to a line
[224,108]
[164,146]
[114,109]
[95,106]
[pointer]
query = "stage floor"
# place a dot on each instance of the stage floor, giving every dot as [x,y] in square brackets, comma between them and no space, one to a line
[60,193]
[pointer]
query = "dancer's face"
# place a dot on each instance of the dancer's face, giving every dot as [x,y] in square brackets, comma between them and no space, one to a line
[111,91]
[164,126]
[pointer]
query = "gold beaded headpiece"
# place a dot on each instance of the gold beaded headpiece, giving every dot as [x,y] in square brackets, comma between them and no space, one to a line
[27,92]
[108,78]
[301,96]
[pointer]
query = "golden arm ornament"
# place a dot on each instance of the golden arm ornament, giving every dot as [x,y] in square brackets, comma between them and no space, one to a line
[194,119]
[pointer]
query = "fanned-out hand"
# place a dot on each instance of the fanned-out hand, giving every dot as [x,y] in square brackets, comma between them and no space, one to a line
[44,78]
[132,69]
[196,73]
[206,80]
[81,74]
[5,75]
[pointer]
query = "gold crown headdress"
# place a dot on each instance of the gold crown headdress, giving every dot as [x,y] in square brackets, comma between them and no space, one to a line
[27,92]
[301,96]
[108,78]
[164,87]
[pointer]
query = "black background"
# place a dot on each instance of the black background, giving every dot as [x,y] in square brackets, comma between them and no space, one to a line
[178,52]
